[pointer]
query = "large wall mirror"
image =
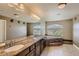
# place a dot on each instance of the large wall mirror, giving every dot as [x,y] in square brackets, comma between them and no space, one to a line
[37,30]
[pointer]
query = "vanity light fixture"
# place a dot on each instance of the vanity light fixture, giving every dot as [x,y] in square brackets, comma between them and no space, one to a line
[23,22]
[18,22]
[61,5]
[11,20]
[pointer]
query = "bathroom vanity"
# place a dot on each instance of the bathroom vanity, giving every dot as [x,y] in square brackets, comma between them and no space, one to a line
[27,46]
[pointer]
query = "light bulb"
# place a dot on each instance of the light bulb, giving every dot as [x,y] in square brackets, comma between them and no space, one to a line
[61,5]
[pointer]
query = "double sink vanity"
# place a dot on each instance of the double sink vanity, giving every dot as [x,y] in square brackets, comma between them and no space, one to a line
[27,46]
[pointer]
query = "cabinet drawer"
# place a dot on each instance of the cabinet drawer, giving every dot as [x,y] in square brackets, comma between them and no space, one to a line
[38,43]
[31,53]
[24,52]
[38,51]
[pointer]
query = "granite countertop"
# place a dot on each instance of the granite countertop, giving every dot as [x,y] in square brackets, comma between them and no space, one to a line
[26,41]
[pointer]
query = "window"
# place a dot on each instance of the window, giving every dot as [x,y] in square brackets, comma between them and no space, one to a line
[37,29]
[55,30]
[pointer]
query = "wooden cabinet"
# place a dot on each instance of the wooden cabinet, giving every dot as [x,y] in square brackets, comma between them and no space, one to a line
[38,48]
[42,44]
[31,53]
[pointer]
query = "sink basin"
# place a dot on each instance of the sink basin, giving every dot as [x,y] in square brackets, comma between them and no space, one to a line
[2,44]
[14,48]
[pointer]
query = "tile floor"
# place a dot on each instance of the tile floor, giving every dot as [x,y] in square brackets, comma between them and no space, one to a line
[64,50]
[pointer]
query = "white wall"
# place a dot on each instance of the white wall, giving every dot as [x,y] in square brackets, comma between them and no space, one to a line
[76,30]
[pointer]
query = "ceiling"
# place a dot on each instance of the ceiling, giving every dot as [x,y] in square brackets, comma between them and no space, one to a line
[46,11]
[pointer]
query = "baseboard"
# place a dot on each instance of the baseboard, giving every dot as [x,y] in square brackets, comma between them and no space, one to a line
[75,46]
[68,40]
[65,41]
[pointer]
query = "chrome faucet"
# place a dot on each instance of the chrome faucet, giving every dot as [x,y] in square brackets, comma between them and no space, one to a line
[9,43]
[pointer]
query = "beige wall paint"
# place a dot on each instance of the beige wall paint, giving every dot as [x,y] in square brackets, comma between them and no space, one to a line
[67,30]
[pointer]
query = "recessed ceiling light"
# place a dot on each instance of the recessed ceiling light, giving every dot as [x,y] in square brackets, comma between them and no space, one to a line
[15,3]
[61,5]
[22,6]
[15,14]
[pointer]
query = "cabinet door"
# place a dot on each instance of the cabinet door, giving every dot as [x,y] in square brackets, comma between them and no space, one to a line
[24,52]
[38,50]
[41,46]
[32,47]
[32,53]
[44,44]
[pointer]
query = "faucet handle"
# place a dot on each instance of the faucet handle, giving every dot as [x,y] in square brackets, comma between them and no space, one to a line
[13,42]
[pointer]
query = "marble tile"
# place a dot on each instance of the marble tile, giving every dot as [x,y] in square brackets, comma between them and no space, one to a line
[64,50]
